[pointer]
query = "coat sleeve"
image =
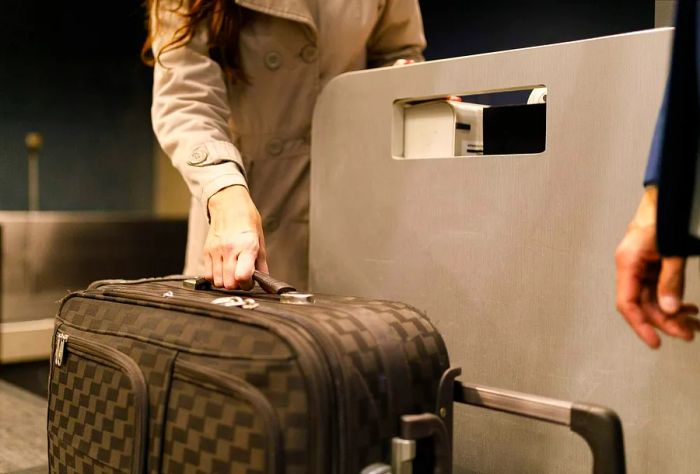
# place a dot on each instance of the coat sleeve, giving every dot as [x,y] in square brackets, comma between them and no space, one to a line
[190,109]
[397,35]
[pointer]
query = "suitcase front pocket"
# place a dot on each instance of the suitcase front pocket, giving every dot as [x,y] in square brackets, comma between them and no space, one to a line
[217,422]
[98,409]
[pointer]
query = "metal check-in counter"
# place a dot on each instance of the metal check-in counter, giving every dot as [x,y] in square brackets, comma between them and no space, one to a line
[47,254]
[512,256]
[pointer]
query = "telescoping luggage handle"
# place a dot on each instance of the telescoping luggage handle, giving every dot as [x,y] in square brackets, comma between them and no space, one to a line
[599,426]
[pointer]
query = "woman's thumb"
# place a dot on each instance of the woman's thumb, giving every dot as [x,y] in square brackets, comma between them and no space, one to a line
[669,290]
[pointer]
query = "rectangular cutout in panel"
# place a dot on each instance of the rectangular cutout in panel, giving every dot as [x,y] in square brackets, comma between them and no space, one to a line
[512,122]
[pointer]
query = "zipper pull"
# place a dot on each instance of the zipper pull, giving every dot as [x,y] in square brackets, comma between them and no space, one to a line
[61,340]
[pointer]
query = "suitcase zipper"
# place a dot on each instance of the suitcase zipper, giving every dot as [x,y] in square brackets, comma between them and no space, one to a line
[97,284]
[102,353]
[61,340]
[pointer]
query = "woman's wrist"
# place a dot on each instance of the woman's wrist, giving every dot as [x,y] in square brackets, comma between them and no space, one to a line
[223,199]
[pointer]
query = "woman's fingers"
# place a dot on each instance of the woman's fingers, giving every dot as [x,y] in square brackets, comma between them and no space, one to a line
[229,268]
[249,249]
[217,268]
[233,262]
[208,268]
[235,239]
[261,261]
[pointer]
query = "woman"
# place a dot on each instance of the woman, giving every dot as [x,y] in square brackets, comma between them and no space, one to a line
[235,85]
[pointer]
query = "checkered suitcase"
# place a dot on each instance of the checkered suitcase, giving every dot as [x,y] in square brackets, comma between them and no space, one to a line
[169,375]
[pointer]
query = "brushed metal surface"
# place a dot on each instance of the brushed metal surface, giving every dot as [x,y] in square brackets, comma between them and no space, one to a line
[25,341]
[47,254]
[515,403]
[512,256]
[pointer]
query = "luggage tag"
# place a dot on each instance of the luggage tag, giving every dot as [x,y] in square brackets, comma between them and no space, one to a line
[237,301]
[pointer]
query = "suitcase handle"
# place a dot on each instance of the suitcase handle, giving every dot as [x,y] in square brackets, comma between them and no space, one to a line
[599,426]
[272,285]
[266,282]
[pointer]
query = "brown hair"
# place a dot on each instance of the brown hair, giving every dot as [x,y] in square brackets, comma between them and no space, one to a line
[223,19]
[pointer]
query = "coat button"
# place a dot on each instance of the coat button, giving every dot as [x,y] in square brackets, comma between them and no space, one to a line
[270,224]
[198,157]
[273,60]
[275,146]
[309,53]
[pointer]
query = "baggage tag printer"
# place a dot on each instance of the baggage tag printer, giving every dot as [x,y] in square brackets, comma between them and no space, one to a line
[442,128]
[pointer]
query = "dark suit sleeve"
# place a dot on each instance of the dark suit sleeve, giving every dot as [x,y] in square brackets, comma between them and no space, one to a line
[651,175]
[679,146]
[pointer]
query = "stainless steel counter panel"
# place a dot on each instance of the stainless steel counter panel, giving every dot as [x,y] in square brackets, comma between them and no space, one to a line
[513,256]
[46,254]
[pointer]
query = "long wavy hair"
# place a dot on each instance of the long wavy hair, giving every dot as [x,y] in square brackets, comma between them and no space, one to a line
[223,19]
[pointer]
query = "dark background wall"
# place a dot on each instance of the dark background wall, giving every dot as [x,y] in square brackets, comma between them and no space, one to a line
[464,27]
[70,70]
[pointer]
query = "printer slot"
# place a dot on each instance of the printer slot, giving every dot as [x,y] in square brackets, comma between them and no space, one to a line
[496,123]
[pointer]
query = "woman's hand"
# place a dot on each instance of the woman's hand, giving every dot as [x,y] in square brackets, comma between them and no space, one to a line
[235,244]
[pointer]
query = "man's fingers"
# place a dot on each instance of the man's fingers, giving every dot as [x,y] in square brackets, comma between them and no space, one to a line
[688,320]
[688,326]
[649,289]
[673,326]
[635,317]
[671,282]
[693,322]
[648,334]
[630,284]
[629,303]
[628,278]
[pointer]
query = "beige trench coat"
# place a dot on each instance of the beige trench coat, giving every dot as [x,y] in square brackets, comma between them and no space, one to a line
[258,134]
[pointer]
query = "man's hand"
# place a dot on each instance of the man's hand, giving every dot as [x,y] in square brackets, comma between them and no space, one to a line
[650,288]
[235,244]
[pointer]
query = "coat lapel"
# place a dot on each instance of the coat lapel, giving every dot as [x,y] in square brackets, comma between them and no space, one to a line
[303,11]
